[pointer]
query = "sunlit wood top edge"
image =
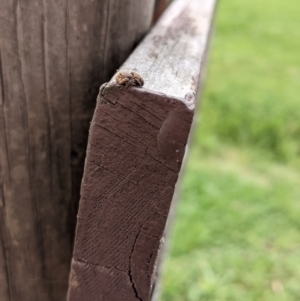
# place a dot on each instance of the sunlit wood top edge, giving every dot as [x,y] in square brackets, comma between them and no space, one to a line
[170,59]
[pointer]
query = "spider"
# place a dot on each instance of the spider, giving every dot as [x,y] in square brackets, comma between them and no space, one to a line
[127,79]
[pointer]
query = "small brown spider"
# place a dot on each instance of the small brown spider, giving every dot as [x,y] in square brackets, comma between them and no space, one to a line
[127,79]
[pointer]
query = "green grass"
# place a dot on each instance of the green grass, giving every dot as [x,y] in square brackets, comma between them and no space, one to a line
[237,232]
[237,236]
[252,95]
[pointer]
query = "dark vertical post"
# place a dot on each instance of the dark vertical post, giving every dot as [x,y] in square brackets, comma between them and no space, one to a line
[53,57]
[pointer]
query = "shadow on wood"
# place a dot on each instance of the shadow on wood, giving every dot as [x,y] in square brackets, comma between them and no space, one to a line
[160,7]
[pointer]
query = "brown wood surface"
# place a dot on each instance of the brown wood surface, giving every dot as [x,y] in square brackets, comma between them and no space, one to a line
[136,145]
[135,150]
[53,57]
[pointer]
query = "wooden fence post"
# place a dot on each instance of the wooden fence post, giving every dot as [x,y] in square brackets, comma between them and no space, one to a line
[135,151]
[53,57]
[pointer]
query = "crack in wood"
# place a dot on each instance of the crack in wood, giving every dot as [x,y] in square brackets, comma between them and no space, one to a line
[130,269]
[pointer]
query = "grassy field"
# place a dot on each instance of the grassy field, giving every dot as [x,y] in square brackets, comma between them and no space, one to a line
[237,232]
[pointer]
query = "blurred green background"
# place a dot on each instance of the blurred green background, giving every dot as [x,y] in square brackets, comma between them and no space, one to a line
[237,232]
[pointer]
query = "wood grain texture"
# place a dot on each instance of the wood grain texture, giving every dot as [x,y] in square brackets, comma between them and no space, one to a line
[136,145]
[171,56]
[135,151]
[53,57]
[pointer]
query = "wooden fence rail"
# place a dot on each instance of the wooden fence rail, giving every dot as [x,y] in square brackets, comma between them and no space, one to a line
[136,146]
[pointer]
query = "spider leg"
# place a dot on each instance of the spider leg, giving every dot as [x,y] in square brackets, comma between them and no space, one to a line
[123,81]
[129,83]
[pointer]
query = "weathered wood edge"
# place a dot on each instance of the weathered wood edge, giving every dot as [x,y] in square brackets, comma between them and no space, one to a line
[170,57]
